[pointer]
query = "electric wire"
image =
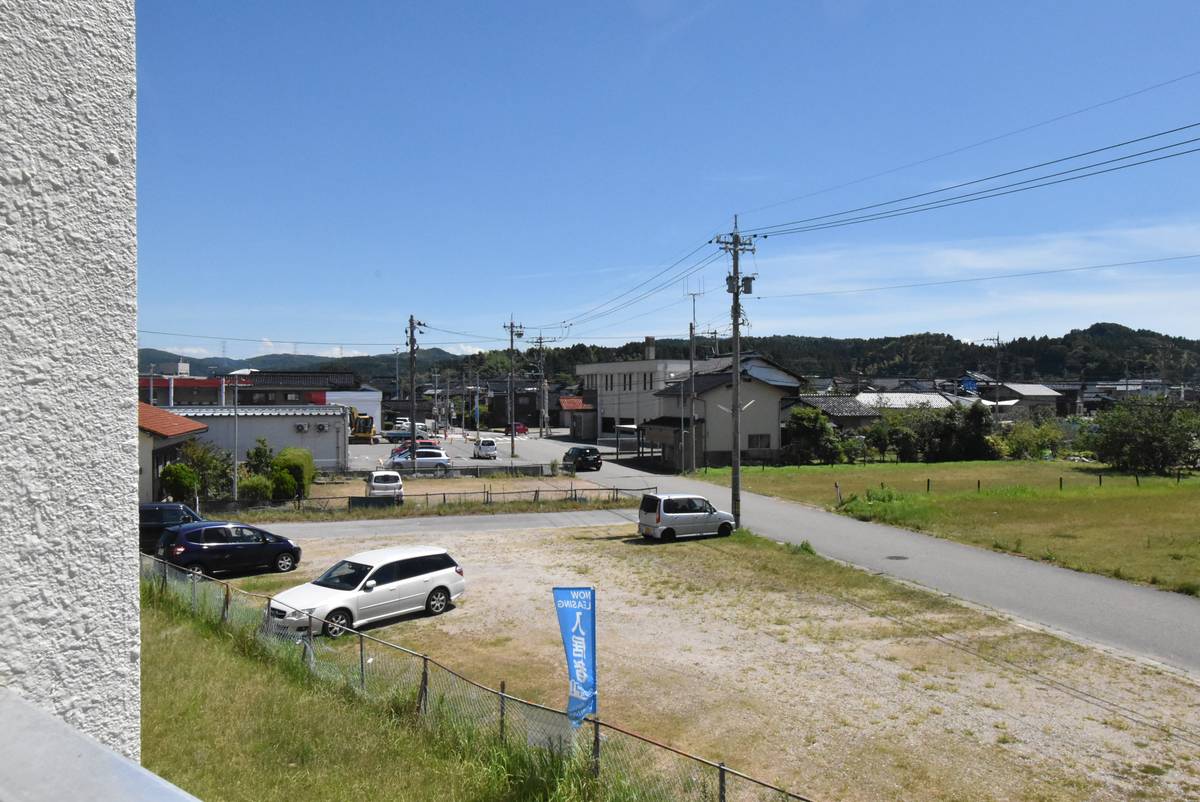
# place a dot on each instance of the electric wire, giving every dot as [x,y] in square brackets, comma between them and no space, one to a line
[971,197]
[980,143]
[972,279]
[992,177]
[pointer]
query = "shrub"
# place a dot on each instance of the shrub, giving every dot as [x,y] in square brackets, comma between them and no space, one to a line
[812,437]
[258,459]
[179,482]
[299,463]
[255,489]
[213,467]
[283,485]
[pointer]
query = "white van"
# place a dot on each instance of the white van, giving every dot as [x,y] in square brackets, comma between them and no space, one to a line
[386,484]
[665,516]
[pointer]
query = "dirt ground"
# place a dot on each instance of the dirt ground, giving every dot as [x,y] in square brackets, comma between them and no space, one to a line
[747,652]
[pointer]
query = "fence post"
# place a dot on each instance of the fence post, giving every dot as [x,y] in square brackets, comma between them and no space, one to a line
[838,490]
[501,711]
[423,695]
[225,606]
[443,499]
[595,747]
[164,577]
[308,642]
[1100,478]
[928,485]
[362,662]
[267,626]
[720,782]
[978,485]
[1136,480]
[193,574]
[1060,483]
[536,498]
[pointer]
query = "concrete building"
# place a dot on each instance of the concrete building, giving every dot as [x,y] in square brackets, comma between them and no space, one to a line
[160,433]
[68,272]
[320,429]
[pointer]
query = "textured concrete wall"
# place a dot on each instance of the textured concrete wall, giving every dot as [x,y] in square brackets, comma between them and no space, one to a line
[68,419]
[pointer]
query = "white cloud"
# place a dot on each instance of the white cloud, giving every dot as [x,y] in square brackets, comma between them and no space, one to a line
[462,349]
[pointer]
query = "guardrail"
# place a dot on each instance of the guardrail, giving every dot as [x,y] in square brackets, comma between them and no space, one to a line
[617,759]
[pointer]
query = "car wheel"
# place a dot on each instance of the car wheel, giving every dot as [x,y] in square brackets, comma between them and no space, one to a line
[195,568]
[337,623]
[438,601]
[725,530]
[285,561]
[668,534]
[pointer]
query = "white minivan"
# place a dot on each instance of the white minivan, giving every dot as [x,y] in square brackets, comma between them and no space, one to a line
[370,586]
[385,484]
[485,448]
[668,515]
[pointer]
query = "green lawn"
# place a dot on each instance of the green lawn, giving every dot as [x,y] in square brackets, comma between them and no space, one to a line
[1145,529]
[266,515]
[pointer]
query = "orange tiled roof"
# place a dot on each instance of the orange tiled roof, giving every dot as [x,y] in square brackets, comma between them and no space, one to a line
[162,423]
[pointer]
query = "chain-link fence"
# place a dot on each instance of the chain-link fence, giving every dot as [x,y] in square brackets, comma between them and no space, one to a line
[538,744]
[484,495]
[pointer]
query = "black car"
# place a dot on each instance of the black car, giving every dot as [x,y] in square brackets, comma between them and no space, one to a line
[583,458]
[155,518]
[211,546]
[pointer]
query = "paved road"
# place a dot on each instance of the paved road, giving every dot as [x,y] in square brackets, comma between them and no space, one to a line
[1130,618]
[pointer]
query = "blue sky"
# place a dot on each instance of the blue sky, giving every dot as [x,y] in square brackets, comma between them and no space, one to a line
[317,172]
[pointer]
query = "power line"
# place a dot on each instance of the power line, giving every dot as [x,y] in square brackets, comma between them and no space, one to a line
[223,337]
[977,196]
[995,176]
[994,277]
[692,270]
[981,142]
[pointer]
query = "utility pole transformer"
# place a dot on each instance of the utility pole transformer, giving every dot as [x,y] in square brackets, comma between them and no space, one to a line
[735,244]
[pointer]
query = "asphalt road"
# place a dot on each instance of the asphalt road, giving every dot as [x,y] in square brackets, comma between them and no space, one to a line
[1130,618]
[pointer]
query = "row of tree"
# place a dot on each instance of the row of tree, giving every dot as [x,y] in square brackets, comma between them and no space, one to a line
[1152,436]
[205,471]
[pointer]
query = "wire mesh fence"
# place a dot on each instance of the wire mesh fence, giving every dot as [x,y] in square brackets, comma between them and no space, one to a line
[605,761]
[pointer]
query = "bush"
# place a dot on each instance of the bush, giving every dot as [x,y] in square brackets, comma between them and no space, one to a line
[283,485]
[179,482]
[213,467]
[255,490]
[812,436]
[259,458]
[299,463]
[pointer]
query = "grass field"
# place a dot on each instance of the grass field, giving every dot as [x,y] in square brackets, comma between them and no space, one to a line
[1144,529]
[266,515]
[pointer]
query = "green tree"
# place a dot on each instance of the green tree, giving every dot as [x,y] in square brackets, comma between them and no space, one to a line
[255,490]
[904,442]
[1150,436]
[876,436]
[812,436]
[213,467]
[258,459]
[179,482]
[299,463]
[283,484]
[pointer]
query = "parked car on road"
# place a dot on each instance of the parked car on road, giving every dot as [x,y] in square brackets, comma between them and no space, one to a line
[154,519]
[583,458]
[670,515]
[370,586]
[421,443]
[485,448]
[520,429]
[385,484]
[212,546]
[434,459]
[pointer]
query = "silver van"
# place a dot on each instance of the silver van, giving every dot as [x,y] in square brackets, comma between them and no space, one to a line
[668,515]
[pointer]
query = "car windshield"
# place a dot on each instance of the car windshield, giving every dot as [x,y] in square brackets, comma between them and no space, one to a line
[343,576]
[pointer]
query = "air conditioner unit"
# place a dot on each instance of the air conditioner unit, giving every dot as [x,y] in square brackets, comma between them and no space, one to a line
[321,427]
[302,427]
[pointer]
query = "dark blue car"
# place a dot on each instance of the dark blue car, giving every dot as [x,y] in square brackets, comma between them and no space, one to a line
[213,546]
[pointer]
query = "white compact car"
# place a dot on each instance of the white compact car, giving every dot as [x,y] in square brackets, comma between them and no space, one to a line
[370,586]
[485,448]
[677,514]
[385,484]
[428,459]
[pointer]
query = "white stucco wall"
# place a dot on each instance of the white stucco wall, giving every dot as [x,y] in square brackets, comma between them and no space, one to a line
[68,552]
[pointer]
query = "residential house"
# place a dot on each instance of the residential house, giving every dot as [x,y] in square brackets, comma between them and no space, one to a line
[880,401]
[845,412]
[160,434]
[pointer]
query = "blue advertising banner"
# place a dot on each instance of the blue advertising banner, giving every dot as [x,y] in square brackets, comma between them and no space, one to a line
[576,609]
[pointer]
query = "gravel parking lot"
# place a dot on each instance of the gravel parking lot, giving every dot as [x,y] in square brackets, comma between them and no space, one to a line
[795,668]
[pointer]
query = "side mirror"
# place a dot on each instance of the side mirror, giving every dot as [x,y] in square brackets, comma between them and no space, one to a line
[370,585]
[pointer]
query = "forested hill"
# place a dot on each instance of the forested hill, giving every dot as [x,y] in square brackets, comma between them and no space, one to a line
[1101,351]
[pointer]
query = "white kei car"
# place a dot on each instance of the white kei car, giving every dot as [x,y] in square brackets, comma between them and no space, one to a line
[666,516]
[485,448]
[371,586]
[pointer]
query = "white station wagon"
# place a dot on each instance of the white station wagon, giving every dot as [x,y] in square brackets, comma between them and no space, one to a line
[678,514]
[371,586]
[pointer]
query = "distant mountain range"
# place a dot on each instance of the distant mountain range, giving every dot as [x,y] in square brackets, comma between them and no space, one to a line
[1103,350]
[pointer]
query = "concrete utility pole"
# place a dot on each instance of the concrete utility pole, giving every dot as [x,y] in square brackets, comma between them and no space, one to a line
[692,375]
[477,405]
[397,350]
[514,330]
[413,323]
[437,406]
[735,284]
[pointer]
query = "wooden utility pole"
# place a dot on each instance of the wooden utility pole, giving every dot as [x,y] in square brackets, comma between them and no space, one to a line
[735,284]
[413,323]
[514,330]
